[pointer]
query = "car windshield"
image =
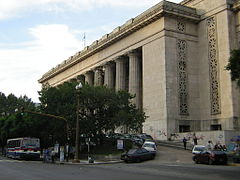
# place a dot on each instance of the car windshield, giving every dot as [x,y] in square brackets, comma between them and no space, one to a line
[199,148]
[231,147]
[149,145]
[132,151]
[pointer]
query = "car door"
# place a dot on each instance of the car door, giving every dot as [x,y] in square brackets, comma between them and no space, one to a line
[146,155]
[205,156]
[139,154]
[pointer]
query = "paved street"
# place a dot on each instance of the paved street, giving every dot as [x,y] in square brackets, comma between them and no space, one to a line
[176,166]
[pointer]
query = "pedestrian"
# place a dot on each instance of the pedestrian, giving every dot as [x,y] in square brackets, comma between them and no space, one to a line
[195,139]
[185,143]
[52,153]
[44,155]
[209,146]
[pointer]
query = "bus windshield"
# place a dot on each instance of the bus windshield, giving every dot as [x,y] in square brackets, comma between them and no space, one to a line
[31,143]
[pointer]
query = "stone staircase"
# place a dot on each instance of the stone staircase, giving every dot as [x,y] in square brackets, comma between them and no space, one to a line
[175,144]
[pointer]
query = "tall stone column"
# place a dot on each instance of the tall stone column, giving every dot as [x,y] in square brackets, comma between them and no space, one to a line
[89,78]
[109,75]
[98,76]
[120,73]
[135,77]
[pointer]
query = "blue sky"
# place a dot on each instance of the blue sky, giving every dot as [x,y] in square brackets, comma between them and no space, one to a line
[36,35]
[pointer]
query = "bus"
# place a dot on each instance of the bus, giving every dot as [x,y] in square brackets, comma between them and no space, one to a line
[23,148]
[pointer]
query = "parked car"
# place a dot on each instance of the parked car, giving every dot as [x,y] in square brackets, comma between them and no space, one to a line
[137,155]
[233,152]
[211,157]
[198,148]
[150,146]
[145,136]
[137,140]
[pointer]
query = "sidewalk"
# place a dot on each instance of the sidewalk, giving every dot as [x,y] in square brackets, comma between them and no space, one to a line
[85,162]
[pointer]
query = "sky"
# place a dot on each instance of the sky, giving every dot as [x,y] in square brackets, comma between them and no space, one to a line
[37,35]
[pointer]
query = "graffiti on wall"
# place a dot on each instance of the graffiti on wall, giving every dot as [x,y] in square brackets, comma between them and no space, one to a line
[174,136]
[162,133]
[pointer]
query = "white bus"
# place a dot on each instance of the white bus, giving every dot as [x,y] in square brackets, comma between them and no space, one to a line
[23,148]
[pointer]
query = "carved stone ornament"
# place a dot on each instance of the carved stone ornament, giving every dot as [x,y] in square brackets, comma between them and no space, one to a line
[182,76]
[213,66]
[181,26]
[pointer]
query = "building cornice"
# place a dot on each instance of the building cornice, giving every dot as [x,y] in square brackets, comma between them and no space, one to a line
[185,2]
[161,9]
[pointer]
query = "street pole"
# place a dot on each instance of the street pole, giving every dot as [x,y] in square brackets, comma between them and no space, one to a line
[76,158]
[77,143]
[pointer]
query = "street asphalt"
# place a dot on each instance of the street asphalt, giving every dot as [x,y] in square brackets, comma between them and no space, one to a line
[165,155]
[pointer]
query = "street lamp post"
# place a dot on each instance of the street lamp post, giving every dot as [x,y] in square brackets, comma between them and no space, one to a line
[76,158]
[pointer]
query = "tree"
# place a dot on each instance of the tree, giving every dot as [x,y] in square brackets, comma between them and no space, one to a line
[58,101]
[234,66]
[101,109]
[128,115]
[12,124]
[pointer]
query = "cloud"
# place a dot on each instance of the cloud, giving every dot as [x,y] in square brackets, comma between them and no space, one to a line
[15,8]
[24,65]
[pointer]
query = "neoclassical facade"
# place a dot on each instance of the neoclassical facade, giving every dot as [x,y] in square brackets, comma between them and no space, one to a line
[173,58]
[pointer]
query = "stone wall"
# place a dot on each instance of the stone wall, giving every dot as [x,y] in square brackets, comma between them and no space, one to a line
[223,137]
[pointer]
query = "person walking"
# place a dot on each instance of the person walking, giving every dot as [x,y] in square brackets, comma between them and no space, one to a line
[209,146]
[185,143]
[195,139]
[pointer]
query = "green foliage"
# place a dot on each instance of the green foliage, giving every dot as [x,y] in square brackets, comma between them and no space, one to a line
[12,124]
[58,101]
[100,110]
[234,65]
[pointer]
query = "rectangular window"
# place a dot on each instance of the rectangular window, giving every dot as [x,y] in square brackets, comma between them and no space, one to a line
[184,128]
[216,127]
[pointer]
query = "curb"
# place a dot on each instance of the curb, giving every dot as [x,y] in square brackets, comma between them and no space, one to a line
[233,164]
[87,163]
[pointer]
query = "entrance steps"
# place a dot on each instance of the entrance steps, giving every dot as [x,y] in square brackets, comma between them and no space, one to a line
[175,144]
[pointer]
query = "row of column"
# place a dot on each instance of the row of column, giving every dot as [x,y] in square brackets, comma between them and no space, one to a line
[123,73]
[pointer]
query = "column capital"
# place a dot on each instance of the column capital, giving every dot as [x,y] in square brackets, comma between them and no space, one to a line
[88,72]
[109,63]
[97,69]
[120,58]
[133,53]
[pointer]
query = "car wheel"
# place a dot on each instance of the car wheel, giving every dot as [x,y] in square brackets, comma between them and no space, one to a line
[196,161]
[153,156]
[210,162]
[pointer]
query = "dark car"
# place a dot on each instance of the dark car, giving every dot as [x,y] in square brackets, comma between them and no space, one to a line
[233,152]
[137,140]
[211,157]
[138,155]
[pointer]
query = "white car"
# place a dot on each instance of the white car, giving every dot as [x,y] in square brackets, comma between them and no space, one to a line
[198,148]
[150,146]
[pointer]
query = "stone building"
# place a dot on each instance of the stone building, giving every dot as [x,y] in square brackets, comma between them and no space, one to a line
[173,58]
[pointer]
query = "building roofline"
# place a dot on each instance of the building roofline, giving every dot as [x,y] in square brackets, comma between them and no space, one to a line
[164,8]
